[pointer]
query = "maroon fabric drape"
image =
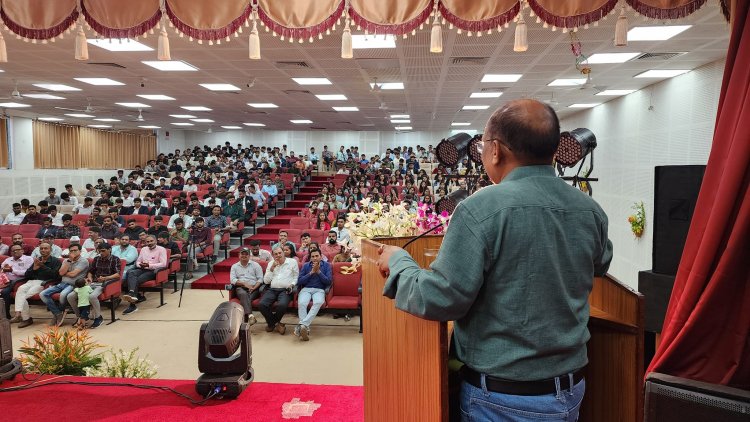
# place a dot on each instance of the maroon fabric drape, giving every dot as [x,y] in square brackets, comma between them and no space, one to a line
[706,334]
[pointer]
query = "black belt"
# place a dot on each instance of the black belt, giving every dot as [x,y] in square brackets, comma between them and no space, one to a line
[519,388]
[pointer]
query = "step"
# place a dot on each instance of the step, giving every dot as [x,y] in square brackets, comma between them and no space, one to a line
[304,196]
[298,204]
[272,228]
[284,220]
[289,212]
[264,238]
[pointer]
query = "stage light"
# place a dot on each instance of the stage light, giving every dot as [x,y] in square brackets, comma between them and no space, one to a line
[224,353]
[9,367]
[450,151]
[474,151]
[574,146]
[449,202]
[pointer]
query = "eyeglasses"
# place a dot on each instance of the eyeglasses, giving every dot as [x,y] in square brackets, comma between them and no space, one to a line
[480,145]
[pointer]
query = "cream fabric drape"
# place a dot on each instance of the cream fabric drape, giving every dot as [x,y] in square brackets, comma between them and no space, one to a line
[59,146]
[299,13]
[478,10]
[38,14]
[3,143]
[207,14]
[121,14]
[389,12]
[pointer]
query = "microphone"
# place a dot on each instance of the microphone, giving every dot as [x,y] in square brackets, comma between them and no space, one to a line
[421,235]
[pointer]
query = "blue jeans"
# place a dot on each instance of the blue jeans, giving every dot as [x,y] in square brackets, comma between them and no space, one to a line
[479,405]
[64,289]
[318,297]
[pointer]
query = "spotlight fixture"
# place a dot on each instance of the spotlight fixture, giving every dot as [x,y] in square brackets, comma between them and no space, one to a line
[574,146]
[474,151]
[450,151]
[449,202]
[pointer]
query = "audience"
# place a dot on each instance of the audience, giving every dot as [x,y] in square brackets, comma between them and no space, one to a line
[72,269]
[44,269]
[315,279]
[281,276]
[151,259]
[246,277]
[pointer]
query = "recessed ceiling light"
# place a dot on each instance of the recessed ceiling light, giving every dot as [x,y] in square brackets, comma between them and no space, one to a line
[655,33]
[475,107]
[485,94]
[43,96]
[119,44]
[182,124]
[100,126]
[220,87]
[202,120]
[312,81]
[616,92]
[99,81]
[57,87]
[195,108]
[360,41]
[150,127]
[232,127]
[51,119]
[79,115]
[567,82]
[170,65]
[107,119]
[661,73]
[254,124]
[156,97]
[601,58]
[14,105]
[400,121]
[388,85]
[301,121]
[331,97]
[501,78]
[399,116]
[183,116]
[583,105]
[460,124]
[263,105]
[134,105]
[346,108]
[403,128]
[466,131]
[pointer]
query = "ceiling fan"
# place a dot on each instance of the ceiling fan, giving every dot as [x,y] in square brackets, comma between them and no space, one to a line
[376,87]
[89,108]
[15,94]
[138,118]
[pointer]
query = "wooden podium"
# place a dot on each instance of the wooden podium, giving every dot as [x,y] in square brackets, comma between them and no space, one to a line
[406,358]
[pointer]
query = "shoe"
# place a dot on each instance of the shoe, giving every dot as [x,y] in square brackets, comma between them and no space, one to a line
[141,298]
[16,319]
[251,320]
[347,317]
[269,328]
[130,297]
[305,333]
[132,308]
[97,321]
[53,321]
[188,276]
[296,330]
[281,328]
[26,323]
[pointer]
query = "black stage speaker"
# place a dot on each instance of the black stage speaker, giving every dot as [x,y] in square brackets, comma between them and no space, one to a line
[675,196]
[656,290]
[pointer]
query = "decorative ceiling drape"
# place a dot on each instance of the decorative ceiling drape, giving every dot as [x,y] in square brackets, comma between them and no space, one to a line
[304,19]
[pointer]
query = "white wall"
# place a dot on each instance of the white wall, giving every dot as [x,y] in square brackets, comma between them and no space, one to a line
[632,140]
[166,144]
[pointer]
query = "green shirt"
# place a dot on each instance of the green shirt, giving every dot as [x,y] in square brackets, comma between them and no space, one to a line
[514,271]
[83,295]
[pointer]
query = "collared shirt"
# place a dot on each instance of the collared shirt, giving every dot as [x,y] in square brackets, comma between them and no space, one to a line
[187,219]
[156,258]
[18,266]
[214,222]
[252,273]
[81,265]
[263,255]
[270,189]
[284,275]
[342,235]
[109,232]
[56,219]
[66,232]
[33,219]
[102,266]
[523,287]
[199,236]
[57,252]
[128,253]
[43,231]
[83,210]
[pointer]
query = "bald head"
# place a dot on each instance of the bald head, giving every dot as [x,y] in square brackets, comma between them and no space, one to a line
[529,128]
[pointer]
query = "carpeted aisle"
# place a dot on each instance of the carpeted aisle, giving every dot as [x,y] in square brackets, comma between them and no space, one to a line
[259,402]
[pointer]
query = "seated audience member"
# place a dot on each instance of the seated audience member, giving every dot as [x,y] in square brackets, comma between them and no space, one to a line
[95,218]
[47,228]
[86,208]
[151,259]
[304,247]
[104,268]
[314,279]
[52,198]
[43,270]
[190,186]
[94,235]
[72,269]
[233,209]
[33,217]
[342,233]
[132,229]
[179,233]
[157,227]
[14,268]
[109,229]
[175,253]
[289,252]
[57,251]
[331,247]
[270,188]
[68,229]
[90,190]
[283,240]
[66,199]
[138,208]
[181,213]
[25,205]
[124,250]
[43,207]
[281,276]
[200,238]
[4,249]
[219,224]
[259,255]
[343,256]
[70,191]
[117,220]
[16,217]
[246,276]
[158,207]
[55,216]
[195,203]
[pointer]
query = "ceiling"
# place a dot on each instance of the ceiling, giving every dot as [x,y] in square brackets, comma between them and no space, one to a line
[436,88]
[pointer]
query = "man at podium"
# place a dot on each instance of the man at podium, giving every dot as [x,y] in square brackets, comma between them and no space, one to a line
[514,272]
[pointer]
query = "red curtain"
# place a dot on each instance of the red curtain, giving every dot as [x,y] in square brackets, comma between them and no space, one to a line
[706,334]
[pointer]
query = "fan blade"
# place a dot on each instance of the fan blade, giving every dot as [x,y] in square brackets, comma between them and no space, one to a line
[71,109]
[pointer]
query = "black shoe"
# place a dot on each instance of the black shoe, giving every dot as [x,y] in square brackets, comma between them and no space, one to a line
[130,297]
[97,321]
[141,298]
[132,308]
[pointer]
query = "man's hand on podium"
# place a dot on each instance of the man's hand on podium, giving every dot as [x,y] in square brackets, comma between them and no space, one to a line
[385,253]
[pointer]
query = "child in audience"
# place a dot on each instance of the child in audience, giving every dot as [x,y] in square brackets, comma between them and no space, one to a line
[83,290]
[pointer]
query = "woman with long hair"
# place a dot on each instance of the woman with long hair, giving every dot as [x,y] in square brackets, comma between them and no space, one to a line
[351,202]
[326,210]
[289,252]
[322,222]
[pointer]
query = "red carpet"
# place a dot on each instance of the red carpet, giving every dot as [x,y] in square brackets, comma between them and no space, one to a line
[259,402]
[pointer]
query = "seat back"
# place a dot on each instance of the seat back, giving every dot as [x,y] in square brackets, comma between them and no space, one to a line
[140,219]
[301,223]
[29,230]
[345,284]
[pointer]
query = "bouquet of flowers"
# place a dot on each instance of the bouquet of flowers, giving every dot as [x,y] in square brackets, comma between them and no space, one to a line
[638,220]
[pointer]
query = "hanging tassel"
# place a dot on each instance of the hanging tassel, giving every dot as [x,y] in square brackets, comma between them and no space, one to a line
[621,29]
[346,42]
[521,42]
[254,53]
[82,47]
[163,45]
[436,37]
[3,50]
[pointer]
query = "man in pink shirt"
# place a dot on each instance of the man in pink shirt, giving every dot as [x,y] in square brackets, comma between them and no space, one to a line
[151,259]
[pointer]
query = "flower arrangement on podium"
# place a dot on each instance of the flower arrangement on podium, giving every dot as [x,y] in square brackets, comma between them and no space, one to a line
[381,220]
